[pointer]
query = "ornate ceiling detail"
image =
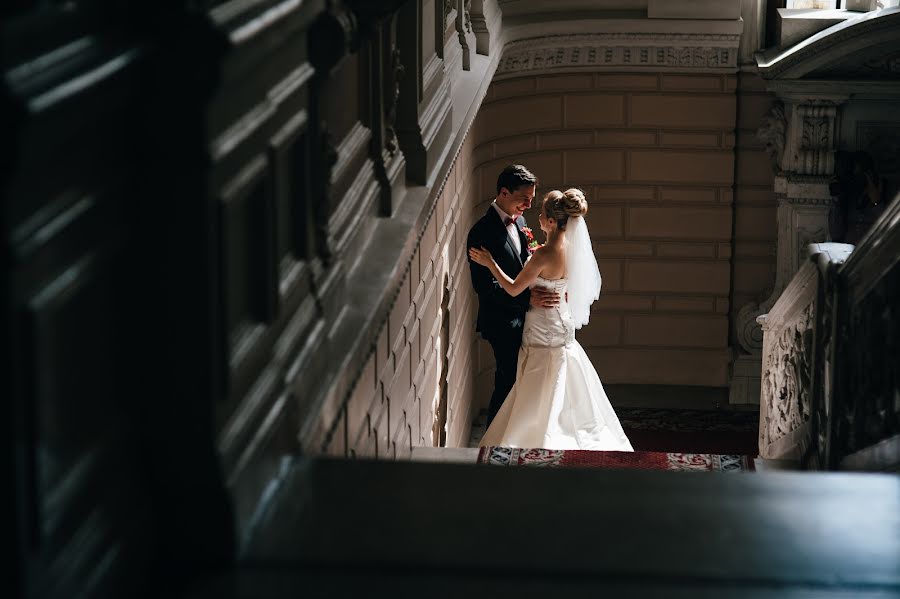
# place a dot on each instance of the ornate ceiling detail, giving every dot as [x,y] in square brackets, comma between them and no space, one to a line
[619,51]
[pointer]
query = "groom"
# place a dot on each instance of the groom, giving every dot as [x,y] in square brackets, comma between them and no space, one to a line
[501,316]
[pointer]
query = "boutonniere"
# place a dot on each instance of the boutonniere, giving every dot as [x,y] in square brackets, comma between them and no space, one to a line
[532,242]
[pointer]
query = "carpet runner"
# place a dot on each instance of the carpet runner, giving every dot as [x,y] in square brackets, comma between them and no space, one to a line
[620,460]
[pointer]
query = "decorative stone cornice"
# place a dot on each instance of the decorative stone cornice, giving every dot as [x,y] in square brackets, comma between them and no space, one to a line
[621,50]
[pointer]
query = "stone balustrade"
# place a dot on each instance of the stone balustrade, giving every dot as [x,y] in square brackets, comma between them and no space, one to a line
[830,393]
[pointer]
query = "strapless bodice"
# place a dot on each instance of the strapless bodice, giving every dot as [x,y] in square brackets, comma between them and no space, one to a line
[550,327]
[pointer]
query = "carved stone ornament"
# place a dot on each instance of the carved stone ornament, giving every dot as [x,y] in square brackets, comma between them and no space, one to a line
[815,151]
[772,132]
[633,50]
[467,10]
[786,377]
[749,334]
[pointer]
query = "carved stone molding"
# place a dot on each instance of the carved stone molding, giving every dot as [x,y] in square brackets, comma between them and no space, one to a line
[656,51]
[815,151]
[480,27]
[463,27]
[785,405]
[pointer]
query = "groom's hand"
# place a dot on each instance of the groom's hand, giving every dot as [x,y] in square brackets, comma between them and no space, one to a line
[543,298]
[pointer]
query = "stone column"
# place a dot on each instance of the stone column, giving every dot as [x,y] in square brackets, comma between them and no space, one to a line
[801,134]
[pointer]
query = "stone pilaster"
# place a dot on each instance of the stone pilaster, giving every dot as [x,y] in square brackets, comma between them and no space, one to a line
[801,137]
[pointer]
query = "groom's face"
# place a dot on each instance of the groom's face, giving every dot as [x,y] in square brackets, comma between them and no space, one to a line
[515,203]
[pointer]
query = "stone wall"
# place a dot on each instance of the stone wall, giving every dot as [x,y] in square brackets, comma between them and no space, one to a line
[655,154]
[422,359]
[754,199]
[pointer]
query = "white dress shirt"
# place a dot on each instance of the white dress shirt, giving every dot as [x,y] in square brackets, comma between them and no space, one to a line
[511,229]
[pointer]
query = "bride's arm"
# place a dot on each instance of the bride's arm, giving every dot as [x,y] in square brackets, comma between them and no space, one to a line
[515,286]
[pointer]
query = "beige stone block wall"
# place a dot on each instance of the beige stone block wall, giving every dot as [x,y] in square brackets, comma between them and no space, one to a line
[656,157]
[754,200]
[427,347]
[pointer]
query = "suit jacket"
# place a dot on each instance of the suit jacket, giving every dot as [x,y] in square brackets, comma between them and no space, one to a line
[498,312]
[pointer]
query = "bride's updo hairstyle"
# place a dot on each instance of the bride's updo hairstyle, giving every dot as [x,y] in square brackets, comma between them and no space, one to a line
[560,206]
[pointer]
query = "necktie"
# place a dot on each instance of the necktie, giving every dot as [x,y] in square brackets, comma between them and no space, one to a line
[508,221]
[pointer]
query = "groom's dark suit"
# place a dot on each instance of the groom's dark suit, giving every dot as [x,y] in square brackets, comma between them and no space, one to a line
[500,316]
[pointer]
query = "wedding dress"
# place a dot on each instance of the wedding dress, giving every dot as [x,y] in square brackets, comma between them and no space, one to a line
[558,401]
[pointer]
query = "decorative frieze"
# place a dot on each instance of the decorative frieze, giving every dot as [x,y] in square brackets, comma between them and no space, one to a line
[656,51]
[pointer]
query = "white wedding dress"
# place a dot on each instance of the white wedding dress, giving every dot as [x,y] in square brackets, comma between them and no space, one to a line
[558,401]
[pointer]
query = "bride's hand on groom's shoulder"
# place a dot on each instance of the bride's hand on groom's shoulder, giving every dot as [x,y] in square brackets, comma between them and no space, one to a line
[542,297]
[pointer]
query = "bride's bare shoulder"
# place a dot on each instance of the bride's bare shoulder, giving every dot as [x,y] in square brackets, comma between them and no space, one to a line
[551,259]
[548,252]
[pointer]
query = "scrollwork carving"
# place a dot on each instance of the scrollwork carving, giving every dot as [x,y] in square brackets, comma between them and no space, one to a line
[748,333]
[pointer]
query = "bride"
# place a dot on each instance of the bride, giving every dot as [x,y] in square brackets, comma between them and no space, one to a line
[558,401]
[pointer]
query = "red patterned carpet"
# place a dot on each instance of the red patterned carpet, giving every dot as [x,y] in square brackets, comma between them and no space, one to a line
[618,460]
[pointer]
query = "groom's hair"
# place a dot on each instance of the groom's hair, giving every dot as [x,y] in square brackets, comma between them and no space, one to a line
[515,176]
